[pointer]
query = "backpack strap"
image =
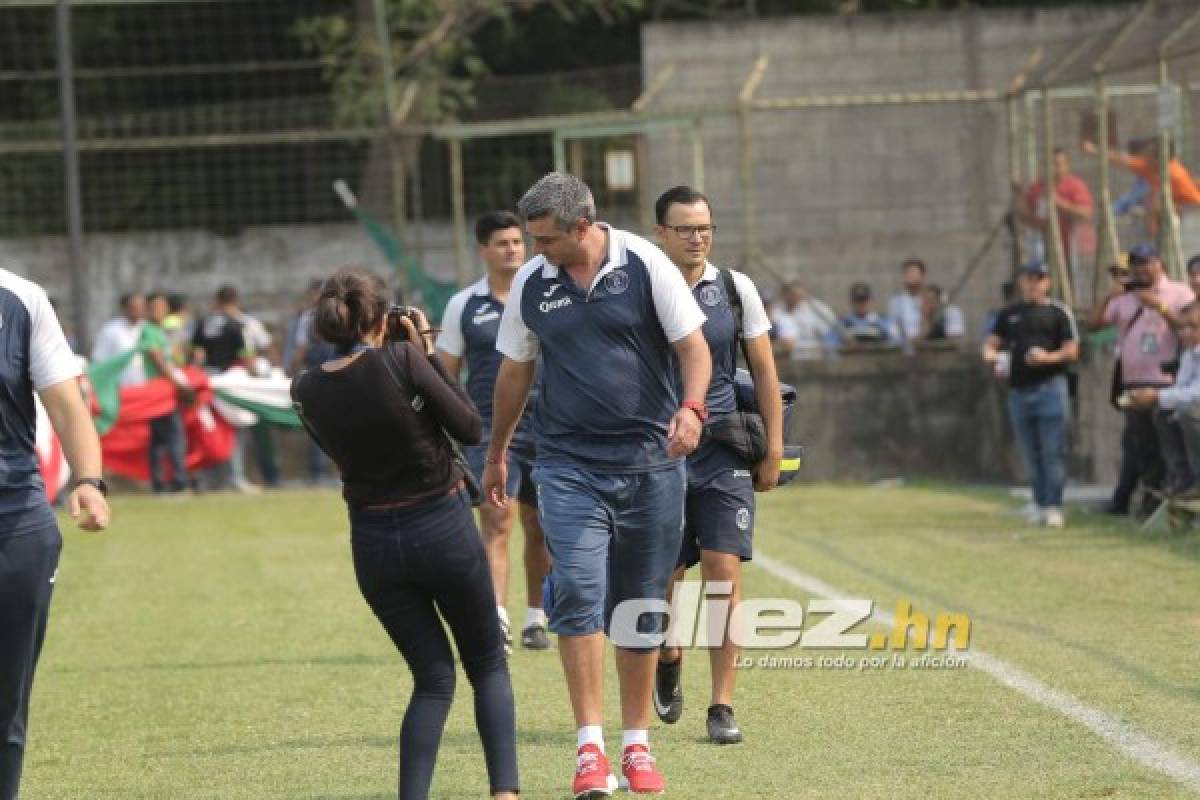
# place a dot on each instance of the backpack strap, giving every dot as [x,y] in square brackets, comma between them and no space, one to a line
[735,305]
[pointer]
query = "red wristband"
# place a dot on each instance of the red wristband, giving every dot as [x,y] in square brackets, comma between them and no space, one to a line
[698,407]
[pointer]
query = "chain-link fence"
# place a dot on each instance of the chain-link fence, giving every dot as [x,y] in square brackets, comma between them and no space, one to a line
[210,136]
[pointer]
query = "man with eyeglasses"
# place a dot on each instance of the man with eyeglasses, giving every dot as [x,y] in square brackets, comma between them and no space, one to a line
[719,510]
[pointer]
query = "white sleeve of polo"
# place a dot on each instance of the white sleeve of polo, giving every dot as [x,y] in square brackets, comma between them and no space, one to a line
[515,340]
[678,312]
[50,358]
[755,321]
[450,340]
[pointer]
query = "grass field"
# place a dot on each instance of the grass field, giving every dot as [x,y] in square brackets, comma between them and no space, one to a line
[218,648]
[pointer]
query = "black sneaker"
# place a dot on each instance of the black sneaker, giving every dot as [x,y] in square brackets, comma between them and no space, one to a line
[668,691]
[535,637]
[722,727]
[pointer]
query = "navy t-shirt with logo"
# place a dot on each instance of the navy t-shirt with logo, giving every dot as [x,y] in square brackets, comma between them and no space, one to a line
[470,325]
[34,355]
[608,391]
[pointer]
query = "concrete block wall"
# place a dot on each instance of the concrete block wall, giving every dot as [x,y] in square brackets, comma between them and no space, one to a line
[845,194]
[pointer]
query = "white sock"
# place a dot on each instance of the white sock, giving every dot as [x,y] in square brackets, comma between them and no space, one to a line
[535,616]
[502,612]
[641,737]
[590,734]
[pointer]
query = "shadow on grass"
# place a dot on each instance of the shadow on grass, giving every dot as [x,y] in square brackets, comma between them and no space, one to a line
[451,740]
[181,666]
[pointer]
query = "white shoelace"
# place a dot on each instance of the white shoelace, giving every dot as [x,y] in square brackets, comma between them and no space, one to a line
[637,760]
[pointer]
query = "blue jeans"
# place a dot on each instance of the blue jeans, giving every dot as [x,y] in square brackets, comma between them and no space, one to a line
[1039,417]
[612,537]
[168,438]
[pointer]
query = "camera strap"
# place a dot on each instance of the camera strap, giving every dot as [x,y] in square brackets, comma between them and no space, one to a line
[391,362]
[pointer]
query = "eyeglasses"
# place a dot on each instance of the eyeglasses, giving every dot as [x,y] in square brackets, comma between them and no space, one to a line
[686,232]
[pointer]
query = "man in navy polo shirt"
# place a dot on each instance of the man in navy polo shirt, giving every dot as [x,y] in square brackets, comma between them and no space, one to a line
[606,310]
[34,357]
[719,513]
[469,329]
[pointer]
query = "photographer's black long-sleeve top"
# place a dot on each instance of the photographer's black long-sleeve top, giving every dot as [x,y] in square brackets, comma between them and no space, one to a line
[386,437]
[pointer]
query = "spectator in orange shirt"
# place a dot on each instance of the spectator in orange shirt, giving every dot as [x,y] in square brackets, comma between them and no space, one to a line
[1184,190]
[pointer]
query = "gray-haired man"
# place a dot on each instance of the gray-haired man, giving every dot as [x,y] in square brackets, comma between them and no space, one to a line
[605,309]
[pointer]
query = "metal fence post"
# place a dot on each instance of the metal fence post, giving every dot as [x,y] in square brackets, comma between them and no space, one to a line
[1107,245]
[746,162]
[80,294]
[1168,224]
[697,155]
[1053,238]
[458,198]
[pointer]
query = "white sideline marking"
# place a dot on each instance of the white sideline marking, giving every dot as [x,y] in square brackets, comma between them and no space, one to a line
[1123,737]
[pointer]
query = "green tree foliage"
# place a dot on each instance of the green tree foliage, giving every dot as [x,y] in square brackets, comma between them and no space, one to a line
[433,52]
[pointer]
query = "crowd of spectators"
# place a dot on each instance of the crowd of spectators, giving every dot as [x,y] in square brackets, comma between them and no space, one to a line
[165,336]
[919,316]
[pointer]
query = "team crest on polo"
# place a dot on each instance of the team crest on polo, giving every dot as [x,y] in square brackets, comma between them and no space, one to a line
[616,281]
[710,295]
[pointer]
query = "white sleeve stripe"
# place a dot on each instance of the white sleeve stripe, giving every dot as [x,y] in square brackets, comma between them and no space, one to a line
[1070,318]
[451,339]
[50,358]
[755,321]
[514,339]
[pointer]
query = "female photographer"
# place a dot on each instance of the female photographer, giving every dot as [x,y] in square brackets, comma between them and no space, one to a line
[382,411]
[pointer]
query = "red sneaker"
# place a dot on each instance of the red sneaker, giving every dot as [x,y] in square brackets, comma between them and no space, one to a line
[641,776]
[592,776]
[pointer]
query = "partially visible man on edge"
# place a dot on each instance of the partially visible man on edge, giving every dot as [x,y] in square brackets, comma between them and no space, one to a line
[470,325]
[1146,314]
[719,512]
[1183,399]
[34,357]
[1040,339]
[605,309]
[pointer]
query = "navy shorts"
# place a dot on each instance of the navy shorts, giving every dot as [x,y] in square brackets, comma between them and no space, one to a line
[612,537]
[719,513]
[520,470]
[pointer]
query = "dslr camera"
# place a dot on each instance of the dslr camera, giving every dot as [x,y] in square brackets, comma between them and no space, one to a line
[394,330]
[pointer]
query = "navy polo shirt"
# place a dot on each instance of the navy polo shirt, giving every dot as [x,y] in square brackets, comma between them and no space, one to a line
[470,325]
[608,390]
[34,355]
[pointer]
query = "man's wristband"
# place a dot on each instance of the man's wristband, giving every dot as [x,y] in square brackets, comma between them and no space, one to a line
[96,483]
[697,407]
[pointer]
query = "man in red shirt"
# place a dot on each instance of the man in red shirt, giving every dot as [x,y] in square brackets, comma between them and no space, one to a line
[1074,202]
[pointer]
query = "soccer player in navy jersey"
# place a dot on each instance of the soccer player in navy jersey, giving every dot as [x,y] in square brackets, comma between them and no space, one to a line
[469,328]
[34,357]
